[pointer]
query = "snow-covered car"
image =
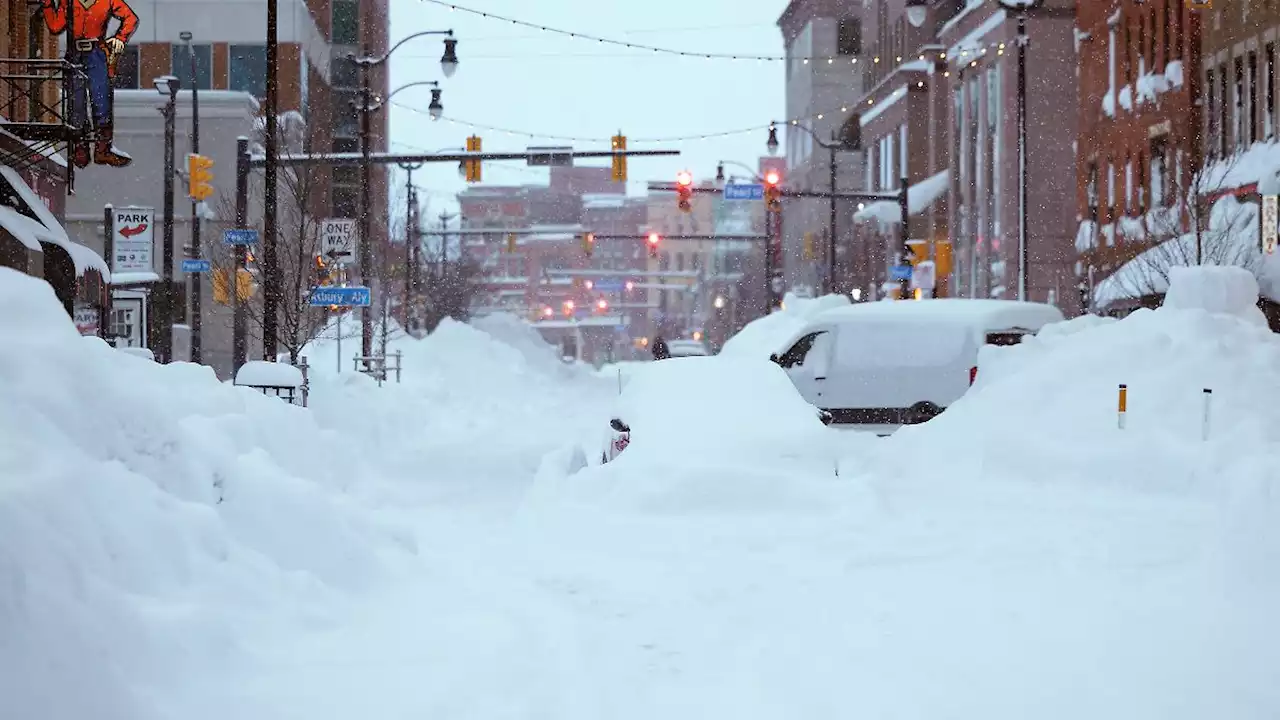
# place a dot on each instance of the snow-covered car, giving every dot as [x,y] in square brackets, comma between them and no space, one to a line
[702,405]
[687,348]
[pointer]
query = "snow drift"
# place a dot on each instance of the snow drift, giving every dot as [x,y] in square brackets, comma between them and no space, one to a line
[152,520]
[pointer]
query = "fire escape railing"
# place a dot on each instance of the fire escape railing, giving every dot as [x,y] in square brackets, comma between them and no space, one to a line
[38,99]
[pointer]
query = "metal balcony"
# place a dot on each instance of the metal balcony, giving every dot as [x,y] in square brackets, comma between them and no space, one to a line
[36,102]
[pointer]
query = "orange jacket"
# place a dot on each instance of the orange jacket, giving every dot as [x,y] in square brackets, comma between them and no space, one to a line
[91,22]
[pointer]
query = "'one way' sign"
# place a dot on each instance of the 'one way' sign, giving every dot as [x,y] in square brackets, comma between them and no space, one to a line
[338,240]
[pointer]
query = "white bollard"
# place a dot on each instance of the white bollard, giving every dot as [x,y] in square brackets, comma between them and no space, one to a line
[1205,416]
[1122,405]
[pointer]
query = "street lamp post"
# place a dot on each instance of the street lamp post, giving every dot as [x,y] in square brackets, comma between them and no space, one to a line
[367,105]
[1022,7]
[836,144]
[195,297]
[168,86]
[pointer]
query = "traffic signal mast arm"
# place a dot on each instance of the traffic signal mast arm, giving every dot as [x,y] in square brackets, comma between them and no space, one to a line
[342,159]
[842,195]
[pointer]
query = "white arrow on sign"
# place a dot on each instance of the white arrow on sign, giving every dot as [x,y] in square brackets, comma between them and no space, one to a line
[338,239]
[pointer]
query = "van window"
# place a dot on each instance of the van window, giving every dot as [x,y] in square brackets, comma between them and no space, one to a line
[796,355]
[919,345]
[1006,337]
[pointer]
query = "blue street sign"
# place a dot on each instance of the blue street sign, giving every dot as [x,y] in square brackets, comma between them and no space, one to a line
[608,285]
[902,272]
[195,266]
[744,192]
[340,296]
[240,237]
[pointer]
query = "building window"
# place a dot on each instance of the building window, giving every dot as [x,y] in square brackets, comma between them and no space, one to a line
[1223,104]
[849,37]
[1128,54]
[1112,59]
[344,114]
[127,69]
[904,162]
[1211,111]
[1141,184]
[1251,107]
[181,65]
[1269,107]
[345,202]
[346,22]
[346,175]
[1128,184]
[1091,190]
[1159,172]
[1111,187]
[1175,12]
[343,73]
[890,165]
[247,69]
[1238,127]
[345,145]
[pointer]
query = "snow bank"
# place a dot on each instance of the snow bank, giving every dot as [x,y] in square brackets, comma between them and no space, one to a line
[765,336]
[154,523]
[1144,554]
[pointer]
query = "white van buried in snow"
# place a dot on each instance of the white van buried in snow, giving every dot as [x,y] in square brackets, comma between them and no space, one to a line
[901,362]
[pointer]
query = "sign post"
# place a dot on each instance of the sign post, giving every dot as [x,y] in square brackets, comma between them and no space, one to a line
[1269,220]
[133,240]
[338,240]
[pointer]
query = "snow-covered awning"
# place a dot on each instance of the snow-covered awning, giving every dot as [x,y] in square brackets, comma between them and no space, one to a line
[920,197]
[1231,240]
[1241,169]
[24,215]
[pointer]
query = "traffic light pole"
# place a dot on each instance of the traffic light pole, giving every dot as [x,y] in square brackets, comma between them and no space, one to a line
[195,296]
[366,204]
[905,236]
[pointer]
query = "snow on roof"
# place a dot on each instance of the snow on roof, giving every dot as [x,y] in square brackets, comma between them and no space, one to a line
[990,313]
[919,197]
[260,373]
[1231,240]
[31,232]
[883,105]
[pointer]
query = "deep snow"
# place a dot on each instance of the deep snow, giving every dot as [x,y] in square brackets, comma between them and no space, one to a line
[171,546]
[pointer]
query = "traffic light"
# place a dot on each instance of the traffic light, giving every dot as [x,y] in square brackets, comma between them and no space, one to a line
[915,252]
[322,271]
[602,305]
[244,286]
[511,243]
[199,177]
[684,188]
[619,171]
[588,243]
[653,241]
[772,193]
[473,166]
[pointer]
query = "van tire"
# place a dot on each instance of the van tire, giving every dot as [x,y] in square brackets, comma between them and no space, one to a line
[922,412]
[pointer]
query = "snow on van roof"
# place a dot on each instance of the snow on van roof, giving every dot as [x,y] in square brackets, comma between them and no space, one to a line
[993,314]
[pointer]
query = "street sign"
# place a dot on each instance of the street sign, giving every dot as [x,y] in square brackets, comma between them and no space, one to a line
[240,237]
[341,296]
[744,192]
[1269,220]
[134,237]
[550,156]
[901,272]
[338,239]
[195,266]
[924,276]
[608,285]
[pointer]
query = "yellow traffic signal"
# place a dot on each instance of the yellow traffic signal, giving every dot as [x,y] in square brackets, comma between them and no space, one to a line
[473,166]
[588,243]
[199,177]
[244,286]
[511,243]
[619,171]
[809,250]
[918,252]
[942,258]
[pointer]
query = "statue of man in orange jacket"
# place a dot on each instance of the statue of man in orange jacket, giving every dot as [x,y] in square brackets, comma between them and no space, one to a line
[95,52]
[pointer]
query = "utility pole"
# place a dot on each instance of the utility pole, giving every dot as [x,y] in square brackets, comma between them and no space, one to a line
[196,298]
[832,286]
[366,203]
[410,236]
[239,314]
[165,332]
[273,287]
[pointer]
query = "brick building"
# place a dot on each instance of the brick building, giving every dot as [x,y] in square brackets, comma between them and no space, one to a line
[1139,132]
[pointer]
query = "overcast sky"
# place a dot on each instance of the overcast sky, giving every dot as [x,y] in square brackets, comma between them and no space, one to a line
[526,80]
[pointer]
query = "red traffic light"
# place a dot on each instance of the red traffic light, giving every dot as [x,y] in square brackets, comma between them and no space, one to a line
[684,178]
[654,239]
[772,177]
[602,304]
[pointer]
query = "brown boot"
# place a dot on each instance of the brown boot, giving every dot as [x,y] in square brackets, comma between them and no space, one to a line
[105,153]
[81,154]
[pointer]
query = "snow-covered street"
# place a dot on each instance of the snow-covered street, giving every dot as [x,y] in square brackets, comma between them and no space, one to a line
[173,547]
